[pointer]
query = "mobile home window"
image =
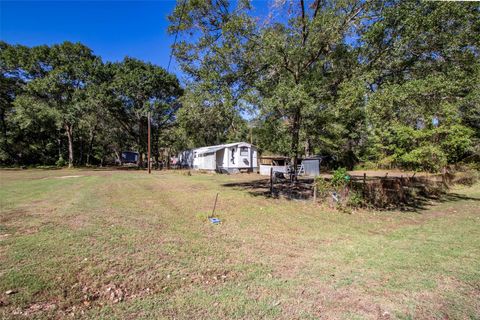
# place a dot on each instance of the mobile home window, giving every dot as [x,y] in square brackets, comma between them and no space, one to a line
[244,151]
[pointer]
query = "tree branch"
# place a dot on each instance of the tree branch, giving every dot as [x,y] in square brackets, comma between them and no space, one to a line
[317,7]
[304,23]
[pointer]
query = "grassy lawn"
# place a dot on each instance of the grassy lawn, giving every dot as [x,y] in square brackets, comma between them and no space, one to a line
[126,245]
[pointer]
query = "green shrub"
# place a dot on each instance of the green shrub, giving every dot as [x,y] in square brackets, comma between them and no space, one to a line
[44,167]
[427,148]
[60,162]
[468,178]
[367,165]
[338,183]
[387,162]
[426,158]
[456,142]
[324,187]
[474,166]
[355,200]
[340,178]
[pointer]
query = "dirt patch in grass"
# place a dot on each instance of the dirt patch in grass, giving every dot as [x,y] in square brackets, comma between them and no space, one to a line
[8,216]
[40,307]
[332,304]
[88,294]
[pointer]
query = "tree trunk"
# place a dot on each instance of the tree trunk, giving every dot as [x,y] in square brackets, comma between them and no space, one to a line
[59,141]
[139,143]
[69,129]
[168,159]
[90,145]
[117,155]
[140,160]
[295,138]
[307,148]
[156,157]
[80,157]
[156,143]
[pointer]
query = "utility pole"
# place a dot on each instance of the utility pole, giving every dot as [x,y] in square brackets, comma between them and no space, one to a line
[148,147]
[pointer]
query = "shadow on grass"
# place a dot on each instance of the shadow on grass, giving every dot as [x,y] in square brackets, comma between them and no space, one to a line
[114,168]
[301,190]
[417,199]
[24,168]
[424,202]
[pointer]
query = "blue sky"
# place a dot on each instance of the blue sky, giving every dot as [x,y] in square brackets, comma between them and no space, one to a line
[112,29]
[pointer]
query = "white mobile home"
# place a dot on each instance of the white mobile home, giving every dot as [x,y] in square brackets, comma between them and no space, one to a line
[229,158]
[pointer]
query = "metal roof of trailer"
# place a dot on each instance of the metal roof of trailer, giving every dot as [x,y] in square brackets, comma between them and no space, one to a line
[209,149]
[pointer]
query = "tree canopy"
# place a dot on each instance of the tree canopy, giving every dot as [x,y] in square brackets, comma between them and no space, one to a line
[64,98]
[386,83]
[351,79]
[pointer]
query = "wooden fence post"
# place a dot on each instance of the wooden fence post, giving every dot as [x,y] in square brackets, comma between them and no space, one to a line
[444,177]
[364,184]
[271,181]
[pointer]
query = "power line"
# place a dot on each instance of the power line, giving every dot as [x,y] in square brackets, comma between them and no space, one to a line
[176,34]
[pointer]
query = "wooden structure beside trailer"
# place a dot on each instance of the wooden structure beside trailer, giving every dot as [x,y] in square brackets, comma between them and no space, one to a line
[276,163]
[307,166]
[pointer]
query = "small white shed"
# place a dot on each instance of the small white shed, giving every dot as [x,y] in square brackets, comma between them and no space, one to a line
[228,158]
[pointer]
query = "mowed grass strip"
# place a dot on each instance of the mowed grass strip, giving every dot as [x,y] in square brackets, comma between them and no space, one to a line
[124,244]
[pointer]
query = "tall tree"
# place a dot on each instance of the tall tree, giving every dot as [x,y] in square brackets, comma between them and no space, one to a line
[287,65]
[30,134]
[10,86]
[213,65]
[422,61]
[55,81]
[141,88]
